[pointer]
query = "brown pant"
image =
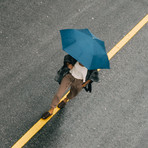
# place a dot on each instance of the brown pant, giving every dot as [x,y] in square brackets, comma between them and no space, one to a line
[67,82]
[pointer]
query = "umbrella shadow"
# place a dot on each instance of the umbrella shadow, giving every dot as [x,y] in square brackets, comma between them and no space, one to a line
[48,136]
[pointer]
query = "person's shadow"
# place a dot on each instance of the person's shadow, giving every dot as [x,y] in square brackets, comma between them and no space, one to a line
[48,136]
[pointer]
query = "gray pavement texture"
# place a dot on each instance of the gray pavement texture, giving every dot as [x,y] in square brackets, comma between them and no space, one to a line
[114,115]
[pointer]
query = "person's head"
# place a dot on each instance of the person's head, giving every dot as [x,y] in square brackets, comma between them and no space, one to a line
[81,64]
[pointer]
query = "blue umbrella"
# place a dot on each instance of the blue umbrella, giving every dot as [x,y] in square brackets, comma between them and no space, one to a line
[82,45]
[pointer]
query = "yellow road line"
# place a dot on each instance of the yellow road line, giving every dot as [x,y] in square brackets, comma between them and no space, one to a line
[37,126]
[126,38]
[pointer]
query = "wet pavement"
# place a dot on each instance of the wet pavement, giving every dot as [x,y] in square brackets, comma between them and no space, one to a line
[114,115]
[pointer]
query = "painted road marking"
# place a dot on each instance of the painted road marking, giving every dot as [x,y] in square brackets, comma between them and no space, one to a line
[126,38]
[37,126]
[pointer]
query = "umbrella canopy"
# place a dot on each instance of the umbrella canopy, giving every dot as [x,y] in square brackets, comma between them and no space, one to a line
[82,45]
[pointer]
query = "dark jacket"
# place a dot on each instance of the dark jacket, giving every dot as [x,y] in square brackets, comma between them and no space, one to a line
[92,75]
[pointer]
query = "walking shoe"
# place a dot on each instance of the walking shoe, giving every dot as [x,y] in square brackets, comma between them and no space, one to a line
[46,115]
[61,104]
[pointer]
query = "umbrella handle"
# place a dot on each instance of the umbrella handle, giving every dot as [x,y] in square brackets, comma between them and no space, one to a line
[88,81]
[70,66]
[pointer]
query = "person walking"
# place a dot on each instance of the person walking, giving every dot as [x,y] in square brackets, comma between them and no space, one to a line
[71,75]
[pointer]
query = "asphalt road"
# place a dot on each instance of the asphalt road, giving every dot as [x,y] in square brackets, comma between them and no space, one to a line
[114,115]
